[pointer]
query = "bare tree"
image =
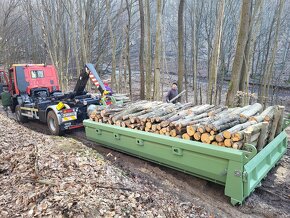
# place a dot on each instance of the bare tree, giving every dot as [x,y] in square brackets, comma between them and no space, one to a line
[157,56]
[180,46]
[269,70]
[239,56]
[212,86]
[141,52]
[148,51]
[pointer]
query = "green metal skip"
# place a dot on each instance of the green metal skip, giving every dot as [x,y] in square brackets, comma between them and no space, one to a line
[240,171]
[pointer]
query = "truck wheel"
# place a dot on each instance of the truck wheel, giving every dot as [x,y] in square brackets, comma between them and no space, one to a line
[19,117]
[52,123]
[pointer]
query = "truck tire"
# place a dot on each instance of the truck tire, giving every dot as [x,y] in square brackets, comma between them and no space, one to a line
[52,123]
[19,117]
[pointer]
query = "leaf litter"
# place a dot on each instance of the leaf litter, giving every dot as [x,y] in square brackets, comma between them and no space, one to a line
[49,176]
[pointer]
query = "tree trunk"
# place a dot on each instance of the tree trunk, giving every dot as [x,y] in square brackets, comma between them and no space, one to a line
[113,43]
[157,56]
[269,71]
[141,52]
[214,66]
[194,53]
[148,52]
[180,46]
[239,56]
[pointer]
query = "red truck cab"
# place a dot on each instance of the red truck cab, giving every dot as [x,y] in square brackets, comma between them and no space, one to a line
[25,77]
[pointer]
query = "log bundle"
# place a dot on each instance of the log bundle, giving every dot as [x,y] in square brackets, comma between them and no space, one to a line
[216,125]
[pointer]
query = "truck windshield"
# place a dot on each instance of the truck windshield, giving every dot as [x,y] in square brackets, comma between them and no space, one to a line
[37,74]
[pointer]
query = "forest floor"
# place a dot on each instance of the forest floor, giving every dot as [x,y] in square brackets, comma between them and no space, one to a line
[71,176]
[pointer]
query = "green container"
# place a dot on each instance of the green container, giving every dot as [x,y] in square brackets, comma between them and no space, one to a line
[6,99]
[238,170]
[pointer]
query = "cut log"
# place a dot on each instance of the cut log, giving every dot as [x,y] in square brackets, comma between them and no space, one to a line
[228,143]
[262,141]
[173,133]
[201,129]
[280,122]
[219,137]
[270,115]
[134,126]
[247,135]
[163,130]
[228,133]
[136,108]
[238,145]
[186,136]
[207,128]
[147,129]
[123,124]
[226,125]
[148,125]
[238,110]
[188,119]
[161,110]
[134,115]
[197,136]
[223,120]
[255,128]
[274,126]
[158,127]
[183,113]
[251,111]
[180,131]
[191,130]
[216,110]
[165,117]
[214,143]
[118,123]
[261,117]
[108,111]
[205,137]
[254,137]
[165,123]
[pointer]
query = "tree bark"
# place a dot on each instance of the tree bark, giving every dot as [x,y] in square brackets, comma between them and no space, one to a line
[239,55]
[148,52]
[157,56]
[141,52]
[180,46]
[269,70]
[214,66]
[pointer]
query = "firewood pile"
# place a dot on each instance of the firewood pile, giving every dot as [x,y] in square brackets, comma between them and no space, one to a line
[217,125]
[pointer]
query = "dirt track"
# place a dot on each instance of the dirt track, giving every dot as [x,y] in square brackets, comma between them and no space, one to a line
[272,199]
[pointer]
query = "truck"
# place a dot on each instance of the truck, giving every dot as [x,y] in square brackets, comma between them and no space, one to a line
[35,94]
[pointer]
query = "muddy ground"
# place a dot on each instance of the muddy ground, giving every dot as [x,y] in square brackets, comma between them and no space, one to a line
[272,199]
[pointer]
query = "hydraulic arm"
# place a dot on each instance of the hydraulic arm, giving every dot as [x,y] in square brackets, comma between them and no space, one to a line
[89,71]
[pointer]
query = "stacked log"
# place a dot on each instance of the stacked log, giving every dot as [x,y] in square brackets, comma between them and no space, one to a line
[216,125]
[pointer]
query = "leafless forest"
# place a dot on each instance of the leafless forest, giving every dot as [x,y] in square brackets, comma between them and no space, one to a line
[228,51]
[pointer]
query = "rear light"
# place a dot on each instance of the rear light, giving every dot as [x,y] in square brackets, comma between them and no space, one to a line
[65,111]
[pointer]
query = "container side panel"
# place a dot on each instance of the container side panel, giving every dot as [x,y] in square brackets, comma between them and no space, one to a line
[257,168]
[205,165]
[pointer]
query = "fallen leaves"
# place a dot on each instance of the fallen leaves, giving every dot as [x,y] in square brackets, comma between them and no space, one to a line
[48,176]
